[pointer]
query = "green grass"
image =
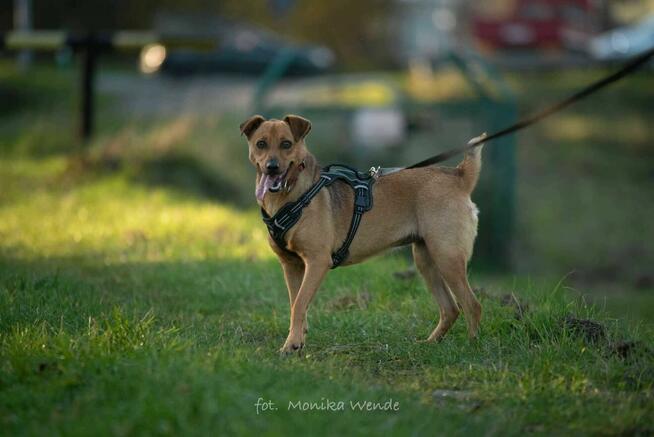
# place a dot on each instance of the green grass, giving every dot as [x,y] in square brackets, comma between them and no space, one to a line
[138,294]
[132,309]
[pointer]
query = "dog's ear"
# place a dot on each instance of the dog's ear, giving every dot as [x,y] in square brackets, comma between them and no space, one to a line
[300,126]
[249,126]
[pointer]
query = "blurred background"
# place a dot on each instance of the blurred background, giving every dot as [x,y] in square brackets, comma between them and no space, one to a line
[155,90]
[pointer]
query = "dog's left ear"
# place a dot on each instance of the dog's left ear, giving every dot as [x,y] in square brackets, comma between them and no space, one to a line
[249,126]
[300,126]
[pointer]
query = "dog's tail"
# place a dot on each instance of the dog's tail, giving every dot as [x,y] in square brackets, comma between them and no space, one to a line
[470,168]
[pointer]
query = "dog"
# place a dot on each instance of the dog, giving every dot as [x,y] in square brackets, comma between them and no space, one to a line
[429,208]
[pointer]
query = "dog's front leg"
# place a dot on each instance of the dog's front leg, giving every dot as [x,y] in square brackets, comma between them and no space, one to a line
[293,274]
[314,272]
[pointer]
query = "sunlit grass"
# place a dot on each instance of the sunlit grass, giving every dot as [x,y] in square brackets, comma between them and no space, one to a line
[633,135]
[424,85]
[120,221]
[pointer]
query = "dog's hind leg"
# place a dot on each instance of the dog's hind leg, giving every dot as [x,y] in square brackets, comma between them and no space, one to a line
[451,260]
[454,272]
[448,309]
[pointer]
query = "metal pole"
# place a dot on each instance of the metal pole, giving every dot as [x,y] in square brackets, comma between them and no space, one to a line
[87,81]
[23,22]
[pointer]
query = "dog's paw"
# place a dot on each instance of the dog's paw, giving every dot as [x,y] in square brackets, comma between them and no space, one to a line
[291,348]
[293,345]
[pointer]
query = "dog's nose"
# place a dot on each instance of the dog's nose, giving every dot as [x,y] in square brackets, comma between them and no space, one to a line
[272,165]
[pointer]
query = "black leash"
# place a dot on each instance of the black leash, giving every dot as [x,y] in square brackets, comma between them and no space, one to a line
[629,68]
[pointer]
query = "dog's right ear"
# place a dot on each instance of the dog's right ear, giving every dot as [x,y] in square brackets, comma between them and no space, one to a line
[249,126]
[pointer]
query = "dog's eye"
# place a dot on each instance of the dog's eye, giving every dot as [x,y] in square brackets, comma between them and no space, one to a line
[286,144]
[261,144]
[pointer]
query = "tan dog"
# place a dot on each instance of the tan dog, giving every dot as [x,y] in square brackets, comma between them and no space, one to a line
[428,207]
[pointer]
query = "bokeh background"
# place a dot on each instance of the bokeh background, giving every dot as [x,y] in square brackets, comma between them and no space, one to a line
[385,83]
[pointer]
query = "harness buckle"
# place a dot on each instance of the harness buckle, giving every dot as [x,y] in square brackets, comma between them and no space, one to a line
[361,200]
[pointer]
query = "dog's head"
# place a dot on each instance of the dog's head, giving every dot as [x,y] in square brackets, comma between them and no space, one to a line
[277,150]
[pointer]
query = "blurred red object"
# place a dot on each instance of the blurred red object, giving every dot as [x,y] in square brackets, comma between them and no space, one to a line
[536,24]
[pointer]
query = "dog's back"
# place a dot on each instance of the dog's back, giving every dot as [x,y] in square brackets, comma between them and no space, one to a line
[413,204]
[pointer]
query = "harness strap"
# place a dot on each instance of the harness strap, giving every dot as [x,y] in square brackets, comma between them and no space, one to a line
[359,208]
[289,214]
[279,224]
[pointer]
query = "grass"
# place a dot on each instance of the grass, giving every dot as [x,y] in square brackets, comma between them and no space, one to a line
[138,295]
[129,309]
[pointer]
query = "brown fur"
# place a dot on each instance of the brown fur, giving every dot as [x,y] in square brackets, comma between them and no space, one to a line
[428,207]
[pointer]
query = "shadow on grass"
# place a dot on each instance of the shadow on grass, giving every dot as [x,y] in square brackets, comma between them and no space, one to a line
[188,174]
[74,288]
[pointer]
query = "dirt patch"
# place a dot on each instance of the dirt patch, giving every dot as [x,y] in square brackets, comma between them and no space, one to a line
[623,349]
[628,349]
[589,330]
[594,332]
[511,300]
[507,300]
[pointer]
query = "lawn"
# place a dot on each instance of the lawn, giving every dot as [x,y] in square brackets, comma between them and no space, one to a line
[129,309]
[138,294]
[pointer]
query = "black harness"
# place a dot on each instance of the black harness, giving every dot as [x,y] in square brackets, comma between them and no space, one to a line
[289,214]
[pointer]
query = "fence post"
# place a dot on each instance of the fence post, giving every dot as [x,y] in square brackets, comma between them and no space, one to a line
[23,23]
[271,75]
[89,60]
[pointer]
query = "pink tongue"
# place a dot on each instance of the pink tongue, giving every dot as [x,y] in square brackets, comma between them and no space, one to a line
[264,184]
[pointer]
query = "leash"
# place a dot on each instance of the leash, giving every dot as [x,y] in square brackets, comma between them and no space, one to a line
[629,68]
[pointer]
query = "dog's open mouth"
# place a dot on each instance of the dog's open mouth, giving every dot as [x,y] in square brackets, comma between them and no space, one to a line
[271,183]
